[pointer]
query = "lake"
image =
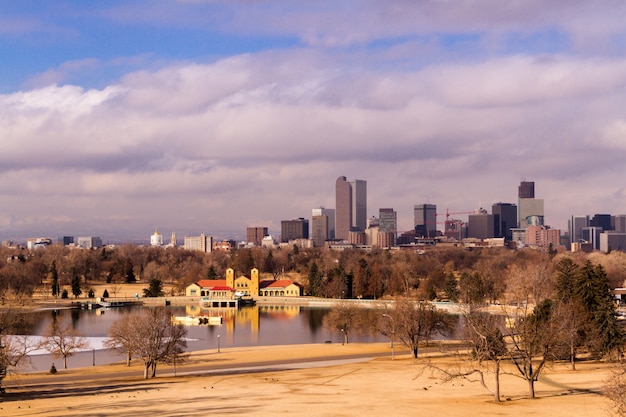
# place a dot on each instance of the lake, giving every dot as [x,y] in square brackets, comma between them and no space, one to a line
[248,326]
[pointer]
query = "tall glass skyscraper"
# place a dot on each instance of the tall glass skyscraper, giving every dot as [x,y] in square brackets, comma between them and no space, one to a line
[425,220]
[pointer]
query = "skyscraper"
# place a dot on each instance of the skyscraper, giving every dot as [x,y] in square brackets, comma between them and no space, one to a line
[530,209]
[350,206]
[505,217]
[322,225]
[425,220]
[526,189]
[388,223]
[576,225]
[294,229]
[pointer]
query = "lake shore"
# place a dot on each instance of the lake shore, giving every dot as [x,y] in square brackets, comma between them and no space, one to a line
[370,386]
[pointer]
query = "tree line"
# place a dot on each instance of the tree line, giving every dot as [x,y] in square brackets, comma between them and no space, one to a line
[538,289]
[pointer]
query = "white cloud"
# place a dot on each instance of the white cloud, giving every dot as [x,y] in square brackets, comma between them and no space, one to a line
[264,136]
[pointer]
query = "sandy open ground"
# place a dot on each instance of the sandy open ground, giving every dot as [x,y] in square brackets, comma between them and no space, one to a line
[371,387]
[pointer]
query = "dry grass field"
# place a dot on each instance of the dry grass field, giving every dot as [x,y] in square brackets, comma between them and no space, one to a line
[369,387]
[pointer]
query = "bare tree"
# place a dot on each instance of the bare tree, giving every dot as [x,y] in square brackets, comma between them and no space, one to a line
[343,317]
[413,322]
[121,337]
[13,349]
[150,335]
[62,341]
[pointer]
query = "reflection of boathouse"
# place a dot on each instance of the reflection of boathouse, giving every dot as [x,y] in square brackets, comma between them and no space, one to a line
[245,285]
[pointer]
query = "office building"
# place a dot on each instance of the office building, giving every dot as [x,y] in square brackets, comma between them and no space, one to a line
[255,235]
[526,189]
[425,220]
[294,229]
[591,235]
[618,223]
[89,242]
[481,225]
[323,225]
[575,226]
[612,240]
[603,221]
[530,209]
[319,230]
[66,240]
[350,207]
[388,223]
[505,218]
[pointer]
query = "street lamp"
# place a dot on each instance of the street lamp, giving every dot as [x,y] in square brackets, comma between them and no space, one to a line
[393,332]
[343,337]
[218,343]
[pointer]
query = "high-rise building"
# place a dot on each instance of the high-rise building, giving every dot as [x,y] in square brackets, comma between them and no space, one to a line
[526,189]
[202,243]
[601,220]
[255,235]
[294,229]
[542,236]
[322,225]
[530,209]
[591,235]
[576,226]
[425,220]
[350,206]
[388,222]
[505,218]
[618,223]
[481,225]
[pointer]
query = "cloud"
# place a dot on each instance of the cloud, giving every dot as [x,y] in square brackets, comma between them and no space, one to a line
[264,136]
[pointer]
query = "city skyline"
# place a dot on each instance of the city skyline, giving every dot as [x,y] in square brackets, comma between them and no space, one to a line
[212,116]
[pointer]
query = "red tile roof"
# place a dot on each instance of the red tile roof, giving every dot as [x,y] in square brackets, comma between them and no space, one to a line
[211,283]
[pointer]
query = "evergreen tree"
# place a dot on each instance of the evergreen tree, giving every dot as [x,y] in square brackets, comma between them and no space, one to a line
[76,290]
[315,280]
[592,289]
[450,288]
[129,273]
[211,274]
[54,277]
[155,289]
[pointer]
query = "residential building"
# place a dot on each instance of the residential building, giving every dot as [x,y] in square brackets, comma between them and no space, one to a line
[542,236]
[255,235]
[202,243]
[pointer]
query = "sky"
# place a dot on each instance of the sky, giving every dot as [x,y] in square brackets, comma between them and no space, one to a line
[209,116]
